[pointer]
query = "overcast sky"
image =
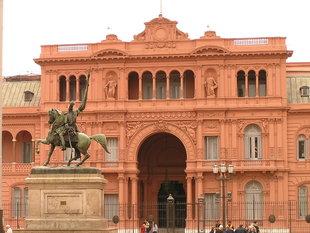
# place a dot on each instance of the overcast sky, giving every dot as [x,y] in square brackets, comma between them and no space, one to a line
[31,23]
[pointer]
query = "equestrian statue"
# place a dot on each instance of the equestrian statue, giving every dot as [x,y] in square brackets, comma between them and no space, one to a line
[65,134]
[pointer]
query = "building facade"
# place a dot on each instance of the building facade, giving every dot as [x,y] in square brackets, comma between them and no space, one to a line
[172,107]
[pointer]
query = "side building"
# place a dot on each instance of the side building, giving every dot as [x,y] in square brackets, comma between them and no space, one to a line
[172,108]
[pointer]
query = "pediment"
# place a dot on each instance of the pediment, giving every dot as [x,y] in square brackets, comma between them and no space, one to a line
[160,30]
[110,53]
[210,50]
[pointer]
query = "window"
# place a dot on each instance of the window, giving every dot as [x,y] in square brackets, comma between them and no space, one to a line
[27,152]
[72,88]
[175,83]
[301,147]
[133,86]
[211,147]
[241,83]
[262,83]
[254,205]
[161,83]
[28,96]
[212,206]
[147,86]
[189,84]
[253,142]
[16,203]
[110,206]
[302,201]
[25,202]
[62,88]
[112,144]
[251,84]
[82,86]
[304,91]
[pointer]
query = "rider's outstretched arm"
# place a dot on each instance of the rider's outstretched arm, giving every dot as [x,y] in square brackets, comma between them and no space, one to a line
[83,104]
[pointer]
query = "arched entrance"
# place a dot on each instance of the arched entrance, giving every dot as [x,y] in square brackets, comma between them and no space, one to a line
[162,163]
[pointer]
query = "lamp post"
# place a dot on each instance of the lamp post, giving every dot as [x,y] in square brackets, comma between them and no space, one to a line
[223,173]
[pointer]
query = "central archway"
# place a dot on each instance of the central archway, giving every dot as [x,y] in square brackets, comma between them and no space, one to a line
[162,163]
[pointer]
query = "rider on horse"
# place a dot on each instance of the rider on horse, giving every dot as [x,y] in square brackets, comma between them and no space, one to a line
[67,124]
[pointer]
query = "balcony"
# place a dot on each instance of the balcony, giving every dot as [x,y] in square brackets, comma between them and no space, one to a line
[16,168]
[245,165]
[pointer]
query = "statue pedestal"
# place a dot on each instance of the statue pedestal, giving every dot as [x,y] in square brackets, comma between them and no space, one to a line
[65,199]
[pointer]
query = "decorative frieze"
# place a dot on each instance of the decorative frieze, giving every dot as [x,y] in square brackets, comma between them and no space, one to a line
[160,115]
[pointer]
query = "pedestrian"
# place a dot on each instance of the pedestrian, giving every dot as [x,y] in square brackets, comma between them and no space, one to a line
[240,229]
[220,229]
[256,226]
[155,228]
[229,230]
[8,229]
[147,226]
[252,229]
[212,230]
[143,228]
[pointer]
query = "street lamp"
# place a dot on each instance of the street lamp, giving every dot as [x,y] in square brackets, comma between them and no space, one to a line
[223,173]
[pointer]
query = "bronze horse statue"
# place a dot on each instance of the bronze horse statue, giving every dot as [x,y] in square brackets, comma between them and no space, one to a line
[81,146]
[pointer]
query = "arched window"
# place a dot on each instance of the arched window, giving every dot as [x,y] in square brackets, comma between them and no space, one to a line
[7,145]
[23,147]
[302,201]
[189,84]
[254,205]
[62,88]
[82,86]
[253,142]
[262,83]
[301,147]
[174,83]
[147,85]
[133,86]
[241,83]
[251,83]
[72,88]
[161,85]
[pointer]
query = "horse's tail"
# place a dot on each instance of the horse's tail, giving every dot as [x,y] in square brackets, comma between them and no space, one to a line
[101,138]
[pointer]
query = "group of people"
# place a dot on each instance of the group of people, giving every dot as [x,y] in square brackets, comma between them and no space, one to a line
[253,228]
[149,227]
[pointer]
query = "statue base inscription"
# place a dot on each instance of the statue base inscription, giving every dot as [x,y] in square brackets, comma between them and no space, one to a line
[65,199]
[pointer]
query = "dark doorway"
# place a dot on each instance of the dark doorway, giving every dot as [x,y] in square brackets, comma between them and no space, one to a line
[176,190]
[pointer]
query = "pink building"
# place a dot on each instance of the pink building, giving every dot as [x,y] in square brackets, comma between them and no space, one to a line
[172,108]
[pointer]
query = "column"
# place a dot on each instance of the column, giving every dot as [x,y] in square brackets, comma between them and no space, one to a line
[246,94]
[154,87]
[140,87]
[121,182]
[32,150]
[189,197]
[78,89]
[67,89]
[181,87]
[199,140]
[14,149]
[134,196]
[199,182]
[256,84]
[168,87]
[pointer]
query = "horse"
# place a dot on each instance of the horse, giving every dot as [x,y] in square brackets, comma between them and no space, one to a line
[81,146]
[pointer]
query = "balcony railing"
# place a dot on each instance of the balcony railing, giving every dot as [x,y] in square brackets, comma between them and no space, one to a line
[247,164]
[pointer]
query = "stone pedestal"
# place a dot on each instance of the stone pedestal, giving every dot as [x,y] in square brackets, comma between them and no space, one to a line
[65,199]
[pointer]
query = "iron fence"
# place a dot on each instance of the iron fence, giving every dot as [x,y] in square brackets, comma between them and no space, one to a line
[171,217]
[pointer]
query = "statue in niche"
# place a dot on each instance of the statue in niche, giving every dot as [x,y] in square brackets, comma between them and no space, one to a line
[210,85]
[110,88]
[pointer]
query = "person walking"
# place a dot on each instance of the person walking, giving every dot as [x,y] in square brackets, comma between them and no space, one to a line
[8,229]
[240,229]
[154,228]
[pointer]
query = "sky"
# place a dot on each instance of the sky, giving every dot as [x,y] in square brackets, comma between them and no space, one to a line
[28,24]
